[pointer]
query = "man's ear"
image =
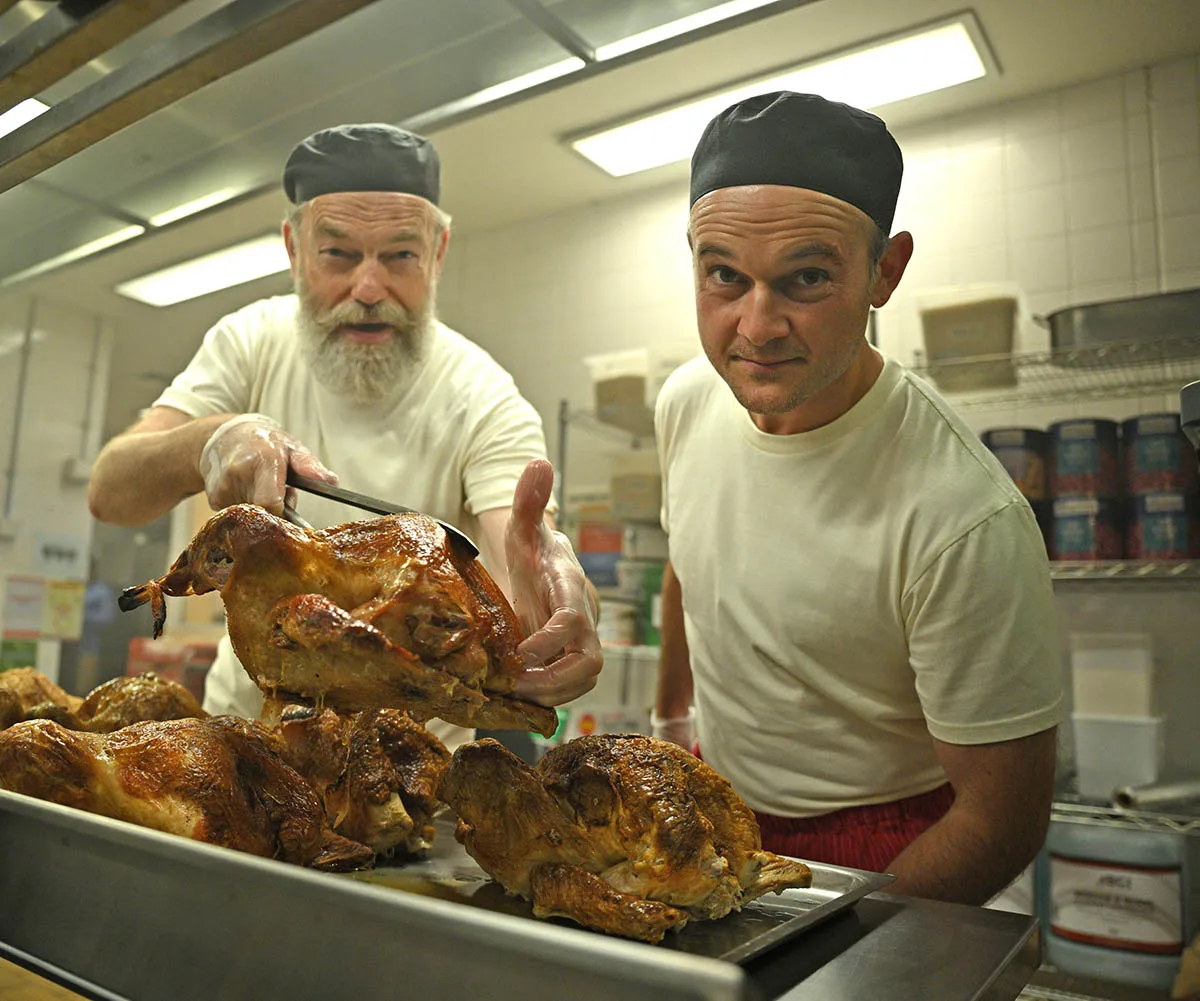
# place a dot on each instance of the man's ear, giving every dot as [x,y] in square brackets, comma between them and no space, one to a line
[895,259]
[289,241]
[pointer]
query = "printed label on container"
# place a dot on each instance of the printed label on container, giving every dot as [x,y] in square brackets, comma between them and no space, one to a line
[1008,439]
[1157,455]
[1165,503]
[1084,429]
[1119,907]
[1079,458]
[1158,425]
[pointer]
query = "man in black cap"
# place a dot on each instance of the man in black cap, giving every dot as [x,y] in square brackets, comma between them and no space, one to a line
[858,599]
[354,374]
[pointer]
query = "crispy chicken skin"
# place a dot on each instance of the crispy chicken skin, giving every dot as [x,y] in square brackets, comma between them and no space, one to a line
[380,613]
[376,773]
[623,833]
[123,701]
[215,780]
[23,689]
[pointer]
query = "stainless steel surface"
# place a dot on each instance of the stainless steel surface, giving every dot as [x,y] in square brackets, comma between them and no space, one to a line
[1160,795]
[449,873]
[1166,316]
[232,37]
[115,912]
[459,539]
[136,914]
[63,39]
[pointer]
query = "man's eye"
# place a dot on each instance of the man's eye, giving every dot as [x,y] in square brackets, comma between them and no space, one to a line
[727,276]
[334,252]
[812,276]
[403,255]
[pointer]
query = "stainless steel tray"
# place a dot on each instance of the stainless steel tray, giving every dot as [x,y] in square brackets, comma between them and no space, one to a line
[448,873]
[119,912]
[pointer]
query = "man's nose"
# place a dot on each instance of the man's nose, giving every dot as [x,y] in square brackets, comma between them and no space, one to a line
[369,287]
[761,318]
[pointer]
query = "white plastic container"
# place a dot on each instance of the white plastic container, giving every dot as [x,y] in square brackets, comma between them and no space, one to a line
[1118,898]
[1112,674]
[966,322]
[1113,751]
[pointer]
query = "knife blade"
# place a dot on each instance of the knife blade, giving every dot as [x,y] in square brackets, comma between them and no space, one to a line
[373,504]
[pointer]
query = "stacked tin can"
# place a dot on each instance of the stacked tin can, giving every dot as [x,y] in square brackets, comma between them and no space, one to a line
[1085,485]
[1025,454]
[1162,512]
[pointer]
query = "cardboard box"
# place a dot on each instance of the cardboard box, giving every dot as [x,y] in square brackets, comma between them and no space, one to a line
[637,497]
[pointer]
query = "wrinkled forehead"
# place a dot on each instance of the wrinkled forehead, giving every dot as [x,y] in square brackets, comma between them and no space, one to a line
[775,211]
[367,214]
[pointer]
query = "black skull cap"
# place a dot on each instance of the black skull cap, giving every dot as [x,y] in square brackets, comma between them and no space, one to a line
[371,157]
[802,141]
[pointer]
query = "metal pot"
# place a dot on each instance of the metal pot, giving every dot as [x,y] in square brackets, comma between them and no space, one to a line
[1165,325]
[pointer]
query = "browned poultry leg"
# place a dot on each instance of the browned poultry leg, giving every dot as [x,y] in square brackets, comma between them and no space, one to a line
[566,891]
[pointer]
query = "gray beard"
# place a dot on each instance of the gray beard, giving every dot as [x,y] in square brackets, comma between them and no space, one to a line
[364,373]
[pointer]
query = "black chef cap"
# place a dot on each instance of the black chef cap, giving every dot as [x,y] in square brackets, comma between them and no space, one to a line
[803,141]
[362,158]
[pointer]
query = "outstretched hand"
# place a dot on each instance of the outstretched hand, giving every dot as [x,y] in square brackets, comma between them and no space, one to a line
[551,597]
[245,461]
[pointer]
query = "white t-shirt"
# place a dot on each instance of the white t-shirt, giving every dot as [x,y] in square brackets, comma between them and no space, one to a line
[452,443]
[849,591]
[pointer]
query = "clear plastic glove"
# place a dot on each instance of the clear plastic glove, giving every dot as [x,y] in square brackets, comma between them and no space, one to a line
[245,461]
[551,597]
[679,730]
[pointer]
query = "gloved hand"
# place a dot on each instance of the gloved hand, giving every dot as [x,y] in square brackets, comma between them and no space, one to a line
[246,461]
[679,730]
[551,597]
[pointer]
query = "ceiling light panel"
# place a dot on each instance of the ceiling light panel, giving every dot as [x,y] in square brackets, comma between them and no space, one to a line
[920,62]
[195,205]
[236,265]
[682,26]
[19,114]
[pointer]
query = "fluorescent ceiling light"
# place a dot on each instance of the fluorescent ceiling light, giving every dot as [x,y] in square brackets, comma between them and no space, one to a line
[94,247]
[243,262]
[496,92]
[868,77]
[194,206]
[673,29]
[18,115]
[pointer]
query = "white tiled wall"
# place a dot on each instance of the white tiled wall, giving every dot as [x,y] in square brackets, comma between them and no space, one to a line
[59,419]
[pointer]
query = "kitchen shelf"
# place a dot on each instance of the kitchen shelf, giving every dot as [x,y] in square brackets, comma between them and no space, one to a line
[1184,819]
[1125,571]
[1067,375]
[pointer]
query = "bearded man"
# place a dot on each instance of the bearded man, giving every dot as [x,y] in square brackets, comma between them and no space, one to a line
[354,374]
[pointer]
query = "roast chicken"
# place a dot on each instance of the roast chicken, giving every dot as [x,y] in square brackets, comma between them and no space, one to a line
[24,689]
[621,833]
[381,613]
[122,702]
[376,773]
[215,780]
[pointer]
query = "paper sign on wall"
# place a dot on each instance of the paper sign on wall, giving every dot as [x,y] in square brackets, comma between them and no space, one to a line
[62,609]
[24,598]
[17,653]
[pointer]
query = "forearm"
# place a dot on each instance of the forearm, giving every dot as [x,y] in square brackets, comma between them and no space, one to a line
[141,475]
[674,695]
[966,857]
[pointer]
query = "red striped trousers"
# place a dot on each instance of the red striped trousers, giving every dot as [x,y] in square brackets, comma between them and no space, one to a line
[860,837]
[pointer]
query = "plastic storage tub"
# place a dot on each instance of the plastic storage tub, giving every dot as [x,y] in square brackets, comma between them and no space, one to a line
[965,323]
[1112,751]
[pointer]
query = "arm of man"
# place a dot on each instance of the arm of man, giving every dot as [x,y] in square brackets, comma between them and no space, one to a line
[673,718]
[146,470]
[994,829]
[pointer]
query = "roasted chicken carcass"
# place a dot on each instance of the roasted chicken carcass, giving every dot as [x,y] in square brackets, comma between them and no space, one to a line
[23,689]
[622,833]
[122,702]
[215,780]
[381,613]
[376,772]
